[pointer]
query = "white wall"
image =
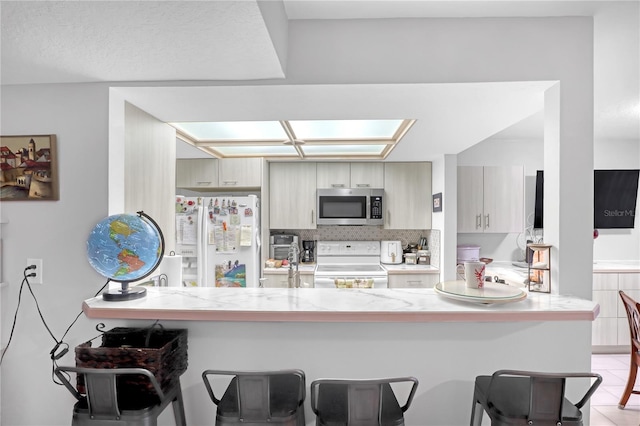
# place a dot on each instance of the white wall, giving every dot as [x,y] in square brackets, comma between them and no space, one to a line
[415,51]
[54,231]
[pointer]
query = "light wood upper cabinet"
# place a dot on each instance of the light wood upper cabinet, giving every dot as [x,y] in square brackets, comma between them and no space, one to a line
[219,173]
[470,199]
[490,199]
[240,172]
[333,175]
[197,173]
[367,175]
[292,195]
[350,175]
[407,191]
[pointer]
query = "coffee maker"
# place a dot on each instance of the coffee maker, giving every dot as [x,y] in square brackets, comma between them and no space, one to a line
[308,248]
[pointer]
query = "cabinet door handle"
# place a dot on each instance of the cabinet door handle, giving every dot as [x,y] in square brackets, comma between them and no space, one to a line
[362,185]
[478,221]
[312,217]
[486,222]
[388,217]
[229,182]
[337,185]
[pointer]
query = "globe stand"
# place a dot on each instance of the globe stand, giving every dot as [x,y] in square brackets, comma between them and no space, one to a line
[124,293]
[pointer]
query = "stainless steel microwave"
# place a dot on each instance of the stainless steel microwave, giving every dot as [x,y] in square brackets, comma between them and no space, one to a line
[350,206]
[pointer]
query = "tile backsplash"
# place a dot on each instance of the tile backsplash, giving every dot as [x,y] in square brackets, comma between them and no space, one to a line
[370,233]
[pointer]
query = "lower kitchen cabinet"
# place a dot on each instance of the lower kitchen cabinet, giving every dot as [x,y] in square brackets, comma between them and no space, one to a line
[611,327]
[413,280]
[281,279]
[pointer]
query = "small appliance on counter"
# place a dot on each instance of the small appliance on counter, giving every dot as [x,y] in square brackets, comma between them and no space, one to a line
[391,252]
[308,251]
[279,245]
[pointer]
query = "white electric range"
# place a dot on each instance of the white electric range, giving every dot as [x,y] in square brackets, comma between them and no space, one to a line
[349,264]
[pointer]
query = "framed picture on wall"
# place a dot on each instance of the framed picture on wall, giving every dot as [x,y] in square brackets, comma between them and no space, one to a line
[28,168]
[437,202]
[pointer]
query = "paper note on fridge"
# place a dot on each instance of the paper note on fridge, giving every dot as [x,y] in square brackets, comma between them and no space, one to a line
[245,235]
[187,229]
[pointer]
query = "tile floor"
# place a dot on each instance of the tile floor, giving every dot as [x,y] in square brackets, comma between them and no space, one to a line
[614,369]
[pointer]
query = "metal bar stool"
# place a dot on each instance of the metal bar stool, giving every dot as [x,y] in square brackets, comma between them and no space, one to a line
[512,397]
[105,403]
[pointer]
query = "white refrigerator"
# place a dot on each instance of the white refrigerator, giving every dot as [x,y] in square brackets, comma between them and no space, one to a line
[218,238]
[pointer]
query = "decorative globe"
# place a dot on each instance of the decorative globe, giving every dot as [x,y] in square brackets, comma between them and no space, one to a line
[125,248]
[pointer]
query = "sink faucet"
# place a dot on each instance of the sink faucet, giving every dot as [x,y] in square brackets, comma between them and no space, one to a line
[293,277]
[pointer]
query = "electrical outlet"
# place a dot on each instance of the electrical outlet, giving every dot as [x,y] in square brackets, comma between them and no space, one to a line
[37,279]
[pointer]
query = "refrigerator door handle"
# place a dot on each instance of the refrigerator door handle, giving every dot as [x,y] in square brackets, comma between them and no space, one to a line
[201,245]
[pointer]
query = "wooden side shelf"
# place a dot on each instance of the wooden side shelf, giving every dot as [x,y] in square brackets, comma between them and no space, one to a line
[539,269]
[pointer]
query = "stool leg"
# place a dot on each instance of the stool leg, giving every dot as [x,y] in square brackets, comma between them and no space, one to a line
[476,412]
[178,408]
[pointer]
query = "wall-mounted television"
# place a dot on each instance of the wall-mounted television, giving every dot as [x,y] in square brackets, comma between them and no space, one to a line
[537,213]
[615,194]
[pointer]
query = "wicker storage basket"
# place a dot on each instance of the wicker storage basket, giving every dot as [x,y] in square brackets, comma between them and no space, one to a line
[161,351]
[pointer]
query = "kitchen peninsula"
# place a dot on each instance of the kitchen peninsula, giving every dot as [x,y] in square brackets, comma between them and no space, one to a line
[365,333]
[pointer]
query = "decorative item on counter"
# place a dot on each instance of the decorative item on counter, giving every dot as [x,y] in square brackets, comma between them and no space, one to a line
[473,274]
[125,248]
[424,257]
[539,272]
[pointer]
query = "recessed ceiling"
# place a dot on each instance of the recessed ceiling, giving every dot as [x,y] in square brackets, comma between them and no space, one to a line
[191,41]
[310,139]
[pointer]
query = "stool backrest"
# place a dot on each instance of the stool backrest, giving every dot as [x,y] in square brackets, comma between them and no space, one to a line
[258,393]
[101,390]
[546,398]
[359,402]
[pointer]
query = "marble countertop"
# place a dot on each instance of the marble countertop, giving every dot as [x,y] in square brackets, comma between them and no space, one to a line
[602,266]
[333,305]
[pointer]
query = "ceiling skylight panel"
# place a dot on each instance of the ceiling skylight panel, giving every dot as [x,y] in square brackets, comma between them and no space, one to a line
[345,129]
[332,150]
[233,130]
[256,150]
